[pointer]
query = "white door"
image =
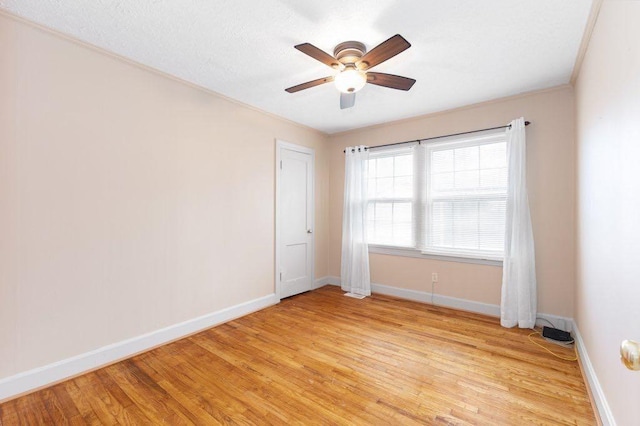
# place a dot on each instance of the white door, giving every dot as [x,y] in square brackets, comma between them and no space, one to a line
[294,221]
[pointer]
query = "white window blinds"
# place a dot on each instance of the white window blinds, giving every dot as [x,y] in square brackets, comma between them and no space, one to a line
[466,197]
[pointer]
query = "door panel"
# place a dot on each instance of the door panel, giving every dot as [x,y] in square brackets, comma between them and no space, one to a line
[295,222]
[294,262]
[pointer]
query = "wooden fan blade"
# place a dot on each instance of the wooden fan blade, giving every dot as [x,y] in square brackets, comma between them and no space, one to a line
[317,54]
[390,80]
[309,84]
[385,50]
[347,100]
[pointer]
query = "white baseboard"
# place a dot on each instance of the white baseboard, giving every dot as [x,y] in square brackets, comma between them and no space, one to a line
[27,381]
[321,282]
[602,406]
[437,299]
[562,323]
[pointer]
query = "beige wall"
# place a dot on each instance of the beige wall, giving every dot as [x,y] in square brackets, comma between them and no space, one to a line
[608,256]
[551,181]
[129,201]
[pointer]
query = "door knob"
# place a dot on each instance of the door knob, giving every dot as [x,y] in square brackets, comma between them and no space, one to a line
[309,231]
[630,354]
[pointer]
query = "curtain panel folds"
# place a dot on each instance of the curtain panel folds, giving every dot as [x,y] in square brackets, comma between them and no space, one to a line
[519,293]
[355,250]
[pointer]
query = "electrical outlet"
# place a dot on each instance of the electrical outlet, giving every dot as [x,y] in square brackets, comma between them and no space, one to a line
[434,277]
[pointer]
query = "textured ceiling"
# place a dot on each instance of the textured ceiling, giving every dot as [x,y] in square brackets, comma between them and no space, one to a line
[463,51]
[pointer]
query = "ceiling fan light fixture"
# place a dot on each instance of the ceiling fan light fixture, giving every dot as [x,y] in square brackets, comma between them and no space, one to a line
[353,66]
[350,80]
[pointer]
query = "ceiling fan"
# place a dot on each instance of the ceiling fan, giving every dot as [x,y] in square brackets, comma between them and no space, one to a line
[354,62]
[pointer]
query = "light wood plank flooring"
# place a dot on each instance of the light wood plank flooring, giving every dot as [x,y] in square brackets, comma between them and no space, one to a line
[322,358]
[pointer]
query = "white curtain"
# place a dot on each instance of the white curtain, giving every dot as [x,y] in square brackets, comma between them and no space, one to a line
[519,298]
[355,251]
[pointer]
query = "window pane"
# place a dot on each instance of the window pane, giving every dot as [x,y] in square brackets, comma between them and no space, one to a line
[384,167]
[402,212]
[371,212]
[465,217]
[442,161]
[491,224]
[467,180]
[467,158]
[372,167]
[371,218]
[403,165]
[493,165]
[384,211]
[384,232]
[468,225]
[403,187]
[371,231]
[493,178]
[493,155]
[402,234]
[371,188]
[442,182]
[442,224]
[384,187]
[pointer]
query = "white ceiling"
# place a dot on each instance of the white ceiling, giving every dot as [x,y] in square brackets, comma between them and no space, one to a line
[463,51]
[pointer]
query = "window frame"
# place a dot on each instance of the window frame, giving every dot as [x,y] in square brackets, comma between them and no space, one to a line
[421,220]
[392,200]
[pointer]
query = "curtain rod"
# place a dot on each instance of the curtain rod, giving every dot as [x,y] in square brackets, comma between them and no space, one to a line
[526,123]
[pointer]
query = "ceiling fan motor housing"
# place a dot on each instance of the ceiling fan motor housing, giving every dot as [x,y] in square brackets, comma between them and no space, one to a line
[349,52]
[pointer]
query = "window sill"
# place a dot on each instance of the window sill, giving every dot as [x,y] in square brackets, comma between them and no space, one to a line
[412,252]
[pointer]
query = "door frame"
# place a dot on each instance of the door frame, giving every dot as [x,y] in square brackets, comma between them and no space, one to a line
[280,145]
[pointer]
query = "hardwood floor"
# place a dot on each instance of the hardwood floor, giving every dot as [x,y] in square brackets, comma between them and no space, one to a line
[321,358]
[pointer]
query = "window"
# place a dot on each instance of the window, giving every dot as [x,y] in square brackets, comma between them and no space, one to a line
[445,198]
[466,197]
[390,210]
